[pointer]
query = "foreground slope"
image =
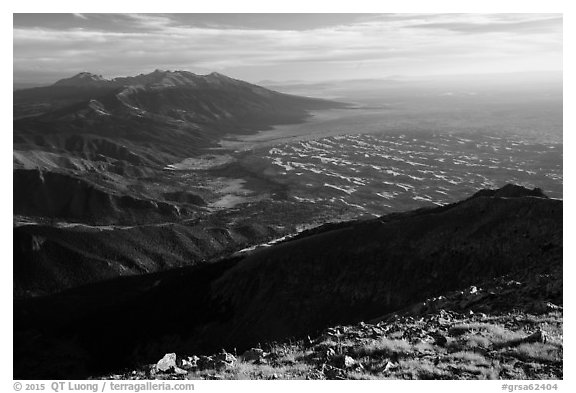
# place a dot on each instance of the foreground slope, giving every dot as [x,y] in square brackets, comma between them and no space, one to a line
[338,274]
[509,327]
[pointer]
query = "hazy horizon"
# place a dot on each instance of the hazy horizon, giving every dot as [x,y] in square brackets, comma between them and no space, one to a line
[508,78]
[285,47]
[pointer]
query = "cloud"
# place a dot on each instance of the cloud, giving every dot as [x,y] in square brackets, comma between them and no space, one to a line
[531,26]
[363,46]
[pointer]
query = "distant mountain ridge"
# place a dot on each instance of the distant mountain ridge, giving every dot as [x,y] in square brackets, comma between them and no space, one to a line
[90,151]
[83,79]
[155,79]
[133,127]
[169,108]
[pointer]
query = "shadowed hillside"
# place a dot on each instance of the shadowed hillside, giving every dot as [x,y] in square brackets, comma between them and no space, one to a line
[335,275]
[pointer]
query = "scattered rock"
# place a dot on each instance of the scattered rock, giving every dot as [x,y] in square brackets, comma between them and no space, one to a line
[333,372]
[191,362]
[544,307]
[272,356]
[178,370]
[253,354]
[261,361]
[344,361]
[222,365]
[225,357]
[205,362]
[220,361]
[389,366]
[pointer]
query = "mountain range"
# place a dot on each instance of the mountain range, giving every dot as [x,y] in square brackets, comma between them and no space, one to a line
[91,155]
[139,232]
[146,120]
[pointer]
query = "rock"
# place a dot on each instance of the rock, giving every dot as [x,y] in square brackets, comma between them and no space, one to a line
[220,364]
[344,361]
[167,363]
[537,337]
[272,356]
[205,362]
[191,362]
[178,370]
[225,357]
[261,361]
[333,332]
[333,372]
[544,307]
[223,360]
[377,332]
[253,354]
[389,366]
[439,338]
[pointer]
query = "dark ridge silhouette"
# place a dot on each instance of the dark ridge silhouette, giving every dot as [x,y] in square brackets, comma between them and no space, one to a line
[511,191]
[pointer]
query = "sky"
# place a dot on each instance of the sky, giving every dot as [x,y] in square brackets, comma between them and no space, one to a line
[284,47]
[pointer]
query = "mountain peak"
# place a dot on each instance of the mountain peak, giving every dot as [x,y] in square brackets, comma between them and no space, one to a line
[161,79]
[83,79]
[88,76]
[218,75]
[156,79]
[511,191]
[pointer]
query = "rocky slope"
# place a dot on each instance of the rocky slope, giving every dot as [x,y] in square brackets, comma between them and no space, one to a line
[339,274]
[510,327]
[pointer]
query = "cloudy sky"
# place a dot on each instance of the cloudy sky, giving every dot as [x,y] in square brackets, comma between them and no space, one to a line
[282,47]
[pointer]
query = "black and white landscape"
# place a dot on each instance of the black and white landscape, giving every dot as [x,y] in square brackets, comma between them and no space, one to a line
[355,223]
